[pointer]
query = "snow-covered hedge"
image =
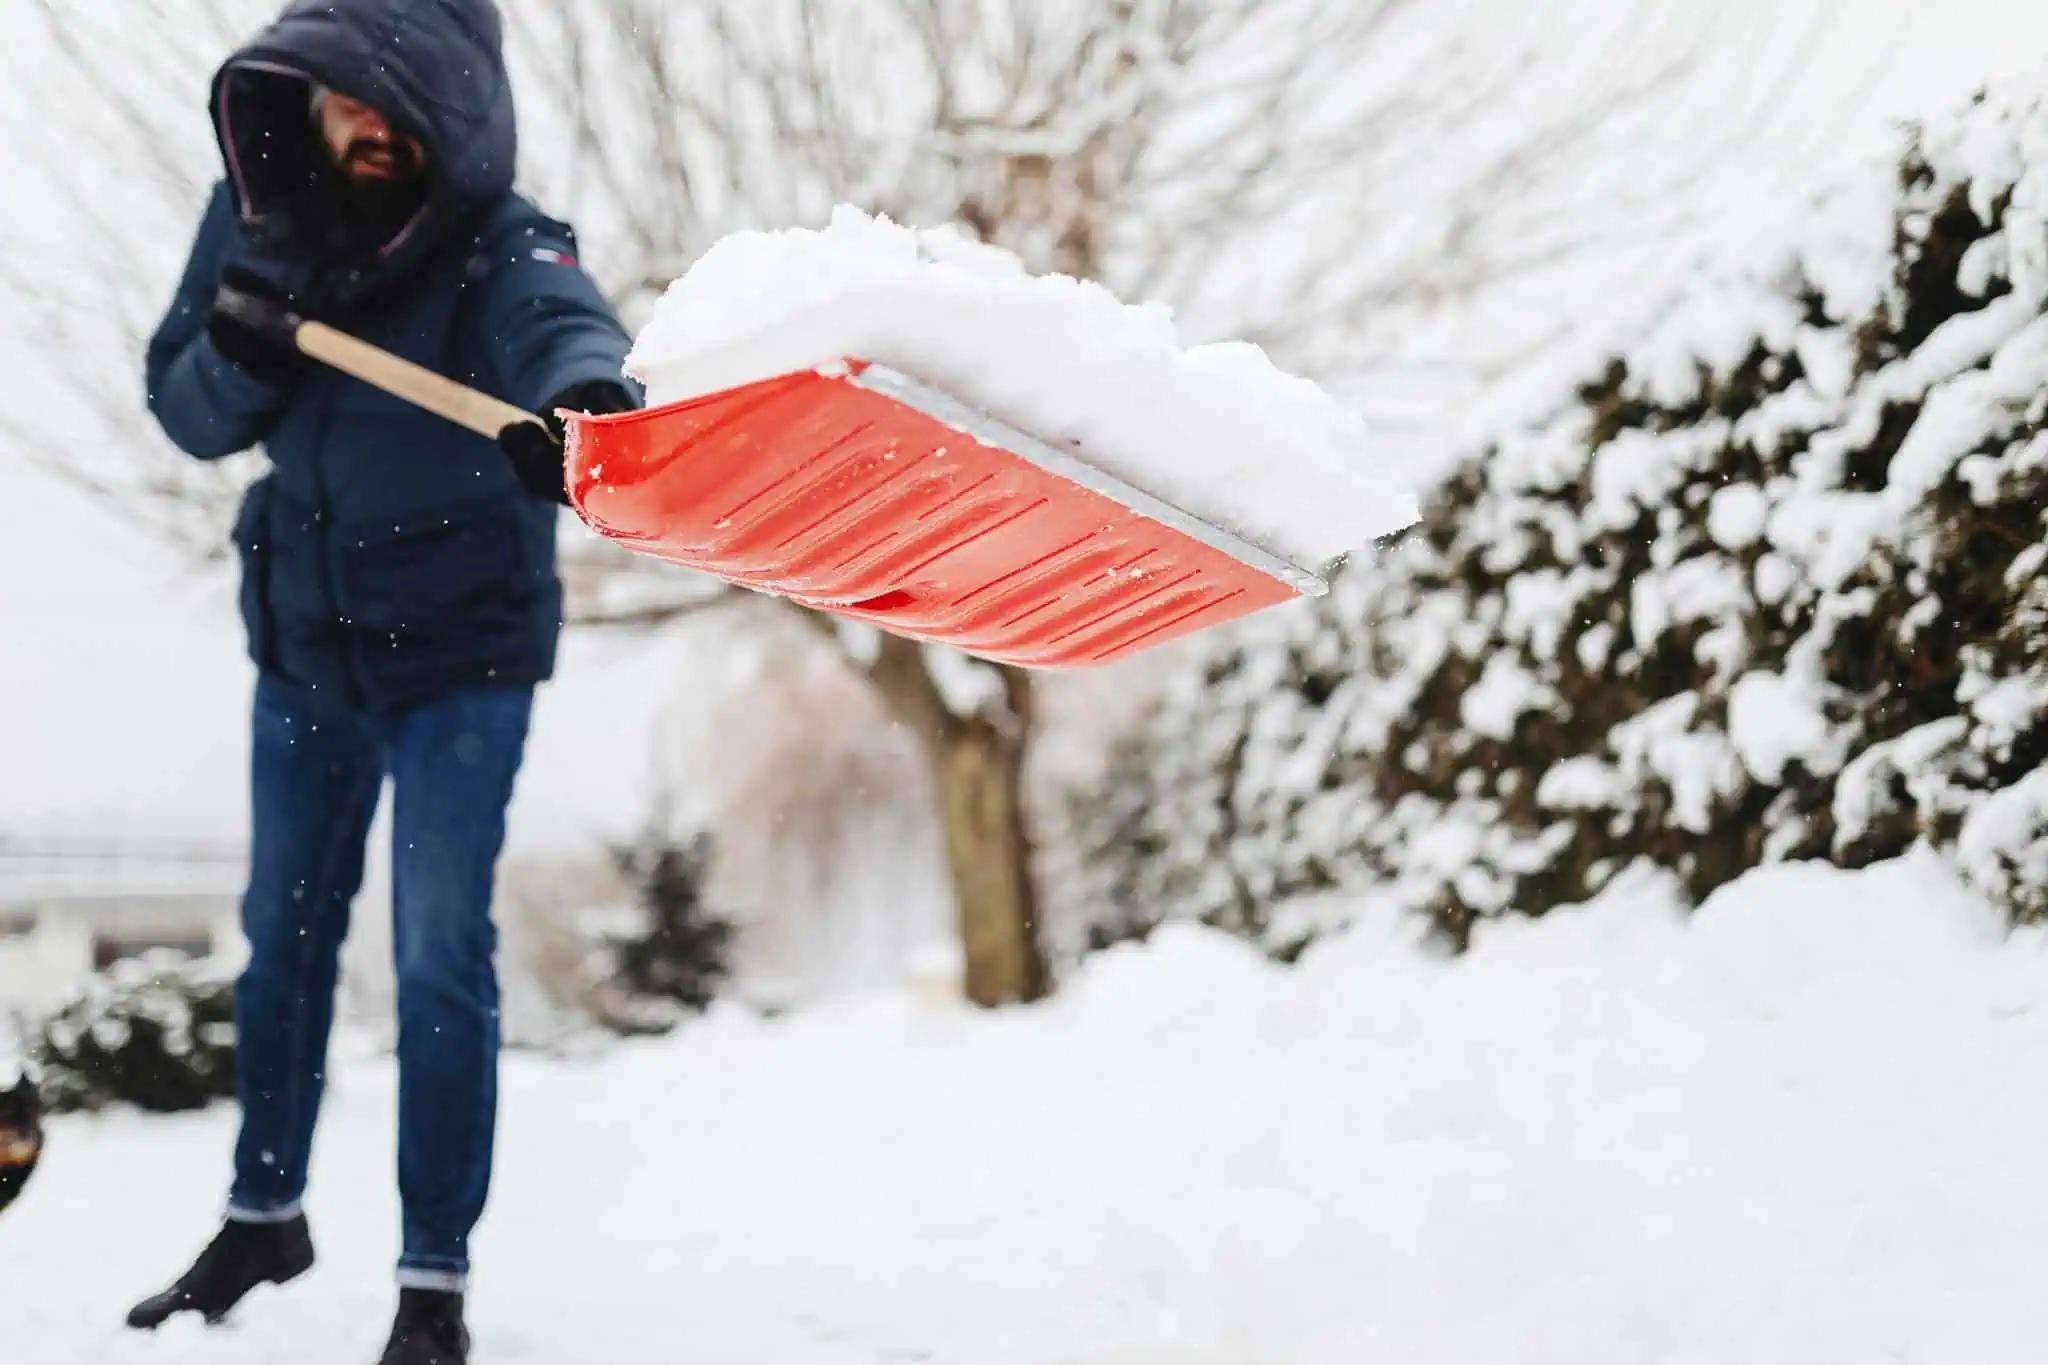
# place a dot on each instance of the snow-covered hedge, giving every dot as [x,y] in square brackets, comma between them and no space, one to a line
[157,1032]
[1772,586]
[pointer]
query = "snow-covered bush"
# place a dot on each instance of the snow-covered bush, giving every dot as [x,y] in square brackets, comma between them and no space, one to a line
[1771,586]
[666,954]
[157,1032]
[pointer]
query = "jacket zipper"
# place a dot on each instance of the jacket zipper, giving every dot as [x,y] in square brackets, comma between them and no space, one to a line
[354,674]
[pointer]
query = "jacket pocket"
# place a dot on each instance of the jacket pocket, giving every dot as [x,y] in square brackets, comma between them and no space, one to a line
[251,537]
[458,573]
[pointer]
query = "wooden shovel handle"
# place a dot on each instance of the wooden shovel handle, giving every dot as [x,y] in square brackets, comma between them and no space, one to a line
[438,394]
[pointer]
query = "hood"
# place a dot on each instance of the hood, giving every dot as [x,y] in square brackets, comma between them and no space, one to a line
[436,68]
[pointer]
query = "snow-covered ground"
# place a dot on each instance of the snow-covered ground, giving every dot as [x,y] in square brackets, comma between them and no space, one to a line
[1802,1127]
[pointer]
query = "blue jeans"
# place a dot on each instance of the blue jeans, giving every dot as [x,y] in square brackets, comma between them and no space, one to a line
[318,767]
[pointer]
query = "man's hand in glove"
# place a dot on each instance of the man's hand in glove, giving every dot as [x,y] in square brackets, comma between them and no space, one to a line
[536,452]
[252,325]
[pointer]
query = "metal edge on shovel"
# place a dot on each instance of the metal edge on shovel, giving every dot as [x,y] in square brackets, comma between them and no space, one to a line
[992,431]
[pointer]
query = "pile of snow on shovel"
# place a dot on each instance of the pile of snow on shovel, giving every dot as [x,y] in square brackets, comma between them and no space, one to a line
[1217,430]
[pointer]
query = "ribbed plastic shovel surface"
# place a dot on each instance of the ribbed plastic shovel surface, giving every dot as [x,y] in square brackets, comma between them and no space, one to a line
[881,499]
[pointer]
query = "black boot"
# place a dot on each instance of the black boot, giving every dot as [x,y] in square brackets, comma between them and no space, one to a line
[240,1257]
[428,1331]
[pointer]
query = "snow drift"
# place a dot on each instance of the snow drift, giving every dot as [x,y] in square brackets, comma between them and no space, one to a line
[1788,1129]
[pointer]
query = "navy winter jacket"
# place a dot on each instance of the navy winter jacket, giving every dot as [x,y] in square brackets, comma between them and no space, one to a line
[388,555]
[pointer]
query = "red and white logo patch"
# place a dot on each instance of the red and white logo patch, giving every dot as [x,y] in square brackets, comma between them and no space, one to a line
[553,257]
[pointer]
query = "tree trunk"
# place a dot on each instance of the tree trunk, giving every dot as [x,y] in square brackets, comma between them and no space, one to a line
[977,767]
[979,771]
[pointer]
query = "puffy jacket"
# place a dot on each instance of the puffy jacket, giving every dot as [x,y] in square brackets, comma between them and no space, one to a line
[387,555]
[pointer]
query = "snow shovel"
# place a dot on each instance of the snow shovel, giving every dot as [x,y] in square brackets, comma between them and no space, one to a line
[867,494]
[21,1138]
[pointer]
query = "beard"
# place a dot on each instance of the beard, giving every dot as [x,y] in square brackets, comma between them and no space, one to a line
[370,162]
[359,202]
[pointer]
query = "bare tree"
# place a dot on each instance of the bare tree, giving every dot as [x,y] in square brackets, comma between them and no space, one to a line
[1280,169]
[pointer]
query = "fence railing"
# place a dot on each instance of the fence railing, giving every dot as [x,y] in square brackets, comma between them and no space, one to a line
[53,871]
[91,851]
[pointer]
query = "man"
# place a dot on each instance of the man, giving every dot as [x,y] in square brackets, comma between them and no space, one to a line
[398,583]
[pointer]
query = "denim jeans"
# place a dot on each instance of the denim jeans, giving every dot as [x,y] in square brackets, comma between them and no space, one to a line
[318,767]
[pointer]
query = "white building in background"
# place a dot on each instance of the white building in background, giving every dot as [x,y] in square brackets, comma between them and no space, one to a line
[67,910]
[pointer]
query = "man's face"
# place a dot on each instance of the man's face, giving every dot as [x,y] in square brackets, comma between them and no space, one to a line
[364,144]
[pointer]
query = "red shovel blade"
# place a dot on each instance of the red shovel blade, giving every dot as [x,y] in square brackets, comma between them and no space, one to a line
[880,499]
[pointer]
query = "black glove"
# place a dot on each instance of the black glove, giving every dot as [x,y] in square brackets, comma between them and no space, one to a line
[252,324]
[536,451]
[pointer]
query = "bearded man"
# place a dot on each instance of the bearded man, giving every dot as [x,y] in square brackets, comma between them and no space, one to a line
[398,584]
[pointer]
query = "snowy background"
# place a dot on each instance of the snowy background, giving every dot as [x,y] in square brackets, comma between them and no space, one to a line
[1796,1122]
[86,595]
